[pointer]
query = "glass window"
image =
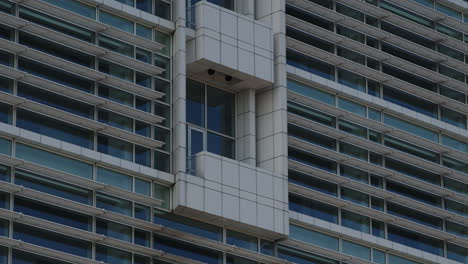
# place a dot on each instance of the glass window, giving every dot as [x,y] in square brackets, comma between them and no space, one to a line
[313,208]
[454,143]
[142,237]
[452,73]
[52,240]
[267,247]
[411,128]
[348,11]
[453,117]
[407,14]
[457,229]
[312,160]
[57,24]
[188,225]
[406,34]
[116,95]
[55,128]
[164,39]
[356,250]
[143,156]
[7,7]
[351,128]
[349,33]
[313,237]
[453,53]
[114,178]
[75,7]
[412,171]
[187,250]
[378,228]
[116,70]
[457,253]
[142,212]
[241,240]
[115,147]
[142,187]
[378,256]
[6,84]
[163,193]
[312,183]
[399,260]
[195,103]
[413,193]
[455,164]
[115,120]
[7,58]
[310,17]
[455,185]
[302,257]
[5,146]
[413,215]
[112,255]
[22,257]
[113,204]
[355,221]
[311,92]
[230,259]
[162,9]
[55,100]
[162,161]
[355,196]
[163,63]
[352,79]
[411,149]
[56,49]
[220,111]
[141,30]
[449,31]
[55,75]
[456,207]
[312,137]
[143,55]
[415,240]
[354,151]
[6,113]
[410,101]
[54,161]
[311,114]
[53,187]
[116,45]
[4,200]
[310,64]
[5,171]
[221,145]
[53,213]
[353,173]
[116,21]
[114,230]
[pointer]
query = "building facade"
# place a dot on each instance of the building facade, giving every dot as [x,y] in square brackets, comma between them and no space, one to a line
[233,131]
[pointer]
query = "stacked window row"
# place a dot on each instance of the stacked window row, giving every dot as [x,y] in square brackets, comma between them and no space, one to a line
[374,88]
[381,204]
[377,228]
[375,22]
[349,247]
[377,65]
[376,136]
[374,158]
[80,169]
[407,14]
[443,9]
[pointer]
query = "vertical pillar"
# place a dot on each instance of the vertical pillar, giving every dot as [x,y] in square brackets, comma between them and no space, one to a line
[246,7]
[272,140]
[245,140]
[179,145]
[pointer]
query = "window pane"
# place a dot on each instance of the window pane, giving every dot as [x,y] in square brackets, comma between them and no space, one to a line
[187,250]
[220,111]
[312,183]
[75,7]
[115,120]
[312,160]
[352,80]
[453,117]
[114,178]
[5,171]
[115,95]
[354,129]
[313,237]
[114,230]
[21,257]
[241,240]
[221,145]
[54,161]
[356,250]
[115,147]
[52,240]
[311,92]
[457,253]
[116,45]
[454,143]
[5,146]
[355,196]
[196,103]
[53,187]
[116,21]
[113,204]
[415,240]
[411,128]
[112,255]
[163,193]
[355,221]
[313,208]
[353,173]
[116,70]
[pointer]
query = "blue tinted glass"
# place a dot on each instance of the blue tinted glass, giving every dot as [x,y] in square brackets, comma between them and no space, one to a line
[143,156]
[241,240]
[186,250]
[114,204]
[4,200]
[399,260]
[302,257]
[52,240]
[415,240]
[221,145]
[75,7]
[313,237]
[378,256]
[352,107]
[313,208]
[114,230]
[142,187]
[411,128]
[195,103]
[5,113]
[356,250]
[54,100]
[112,255]
[220,111]
[115,147]
[54,161]
[20,257]
[114,178]
[142,212]
[355,221]
[53,213]
[188,225]
[5,146]
[457,253]
[312,183]
[5,172]
[142,237]
[53,187]
[116,21]
[311,92]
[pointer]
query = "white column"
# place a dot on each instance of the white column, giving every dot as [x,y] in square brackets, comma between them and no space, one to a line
[245,136]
